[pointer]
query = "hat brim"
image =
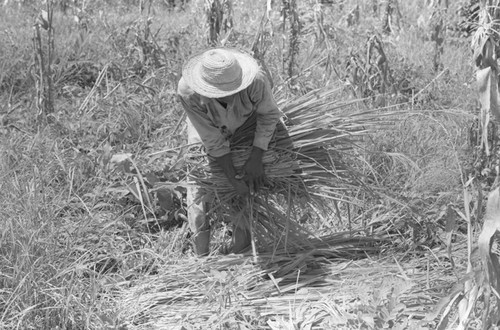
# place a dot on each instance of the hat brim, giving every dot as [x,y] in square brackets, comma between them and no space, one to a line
[191,72]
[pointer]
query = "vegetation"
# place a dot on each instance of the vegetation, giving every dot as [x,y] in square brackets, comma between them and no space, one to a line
[94,166]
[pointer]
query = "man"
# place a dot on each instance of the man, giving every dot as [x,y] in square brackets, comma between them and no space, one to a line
[222,89]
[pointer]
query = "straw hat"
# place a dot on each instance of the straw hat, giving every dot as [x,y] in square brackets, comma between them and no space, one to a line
[220,72]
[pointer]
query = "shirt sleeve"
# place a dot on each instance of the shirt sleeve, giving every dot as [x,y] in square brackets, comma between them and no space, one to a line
[215,144]
[266,108]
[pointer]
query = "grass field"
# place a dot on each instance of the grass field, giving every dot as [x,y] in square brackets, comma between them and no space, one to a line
[93,170]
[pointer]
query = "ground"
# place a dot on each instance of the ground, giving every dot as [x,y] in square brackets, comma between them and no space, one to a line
[94,164]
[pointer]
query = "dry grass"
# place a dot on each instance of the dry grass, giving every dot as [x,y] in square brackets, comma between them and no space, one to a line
[78,250]
[315,289]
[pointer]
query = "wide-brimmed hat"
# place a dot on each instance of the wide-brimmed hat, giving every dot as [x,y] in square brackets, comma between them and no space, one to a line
[220,72]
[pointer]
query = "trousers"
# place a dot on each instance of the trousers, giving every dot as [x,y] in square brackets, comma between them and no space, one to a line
[196,210]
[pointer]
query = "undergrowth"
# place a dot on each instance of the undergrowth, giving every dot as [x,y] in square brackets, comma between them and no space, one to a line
[79,216]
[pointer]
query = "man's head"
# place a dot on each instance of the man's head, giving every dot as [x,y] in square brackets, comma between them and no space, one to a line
[220,72]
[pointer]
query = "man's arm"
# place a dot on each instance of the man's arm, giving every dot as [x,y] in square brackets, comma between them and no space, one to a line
[266,108]
[217,146]
[268,115]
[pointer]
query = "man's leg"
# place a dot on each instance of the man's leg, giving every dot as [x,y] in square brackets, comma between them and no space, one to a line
[198,222]
[241,238]
[196,213]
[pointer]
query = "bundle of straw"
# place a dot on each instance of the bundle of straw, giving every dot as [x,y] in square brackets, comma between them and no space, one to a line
[305,166]
[232,292]
[229,291]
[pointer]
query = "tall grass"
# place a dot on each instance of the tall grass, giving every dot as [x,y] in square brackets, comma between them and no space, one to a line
[72,234]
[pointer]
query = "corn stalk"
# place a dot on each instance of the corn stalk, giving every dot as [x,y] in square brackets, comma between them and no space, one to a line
[482,280]
[487,280]
[488,243]
[486,47]
[375,7]
[352,18]
[386,16]
[438,26]
[262,39]
[289,12]
[370,75]
[43,62]
[388,8]
[219,18]
[319,22]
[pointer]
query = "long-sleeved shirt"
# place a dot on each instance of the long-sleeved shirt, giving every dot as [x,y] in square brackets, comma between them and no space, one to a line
[216,123]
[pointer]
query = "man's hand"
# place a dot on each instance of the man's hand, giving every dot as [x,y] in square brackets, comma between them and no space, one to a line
[226,163]
[240,186]
[254,170]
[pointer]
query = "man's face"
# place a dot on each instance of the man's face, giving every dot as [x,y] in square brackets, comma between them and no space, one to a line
[204,100]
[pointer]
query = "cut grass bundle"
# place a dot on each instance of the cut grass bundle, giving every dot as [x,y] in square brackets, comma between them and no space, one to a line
[306,290]
[306,168]
[224,292]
